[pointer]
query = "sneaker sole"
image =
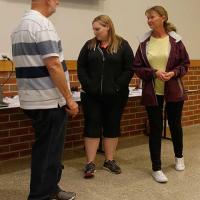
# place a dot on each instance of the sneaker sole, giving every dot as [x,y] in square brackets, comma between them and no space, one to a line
[72,198]
[89,175]
[107,169]
[159,181]
[179,169]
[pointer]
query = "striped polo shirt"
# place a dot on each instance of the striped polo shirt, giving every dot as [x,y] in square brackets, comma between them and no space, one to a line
[33,40]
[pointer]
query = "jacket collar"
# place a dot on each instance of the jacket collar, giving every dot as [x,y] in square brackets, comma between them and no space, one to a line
[148,34]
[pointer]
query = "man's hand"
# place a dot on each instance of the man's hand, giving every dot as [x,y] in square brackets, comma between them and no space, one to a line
[72,107]
[59,79]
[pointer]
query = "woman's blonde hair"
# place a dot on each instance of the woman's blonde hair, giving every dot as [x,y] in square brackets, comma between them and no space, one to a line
[114,40]
[163,13]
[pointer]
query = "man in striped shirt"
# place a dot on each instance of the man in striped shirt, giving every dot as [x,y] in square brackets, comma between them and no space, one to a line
[43,86]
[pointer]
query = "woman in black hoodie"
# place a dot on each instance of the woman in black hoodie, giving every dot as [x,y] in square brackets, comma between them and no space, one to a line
[104,71]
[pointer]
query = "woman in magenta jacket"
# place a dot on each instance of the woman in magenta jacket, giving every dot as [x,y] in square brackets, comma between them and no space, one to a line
[161,61]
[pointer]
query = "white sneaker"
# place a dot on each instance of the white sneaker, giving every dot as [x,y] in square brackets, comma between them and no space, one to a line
[159,176]
[179,164]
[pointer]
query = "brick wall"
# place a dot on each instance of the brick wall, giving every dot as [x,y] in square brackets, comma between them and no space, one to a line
[16,133]
[191,112]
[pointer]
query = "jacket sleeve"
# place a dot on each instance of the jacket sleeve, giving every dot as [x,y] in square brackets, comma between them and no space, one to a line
[82,63]
[182,68]
[141,68]
[125,77]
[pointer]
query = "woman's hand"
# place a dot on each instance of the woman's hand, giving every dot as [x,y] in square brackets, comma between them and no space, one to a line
[169,75]
[164,76]
[160,75]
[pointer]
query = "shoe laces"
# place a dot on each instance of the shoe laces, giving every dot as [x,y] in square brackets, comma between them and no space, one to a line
[90,167]
[112,163]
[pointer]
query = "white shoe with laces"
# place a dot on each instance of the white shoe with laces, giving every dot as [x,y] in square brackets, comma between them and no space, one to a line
[159,176]
[179,164]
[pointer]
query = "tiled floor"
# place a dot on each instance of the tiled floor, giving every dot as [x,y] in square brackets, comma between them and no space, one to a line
[135,183]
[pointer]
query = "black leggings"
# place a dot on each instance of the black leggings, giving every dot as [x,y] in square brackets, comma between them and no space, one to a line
[102,114]
[155,115]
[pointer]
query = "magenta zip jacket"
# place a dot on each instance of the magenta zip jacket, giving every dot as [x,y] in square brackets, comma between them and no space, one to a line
[178,62]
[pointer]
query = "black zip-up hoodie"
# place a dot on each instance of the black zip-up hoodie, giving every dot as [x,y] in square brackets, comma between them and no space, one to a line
[102,73]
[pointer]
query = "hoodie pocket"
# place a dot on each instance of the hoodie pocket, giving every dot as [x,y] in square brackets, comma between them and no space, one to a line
[174,89]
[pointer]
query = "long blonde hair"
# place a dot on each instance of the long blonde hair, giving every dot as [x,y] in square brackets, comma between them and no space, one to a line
[115,40]
[162,12]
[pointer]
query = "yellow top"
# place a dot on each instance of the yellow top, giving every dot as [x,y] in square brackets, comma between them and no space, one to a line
[157,54]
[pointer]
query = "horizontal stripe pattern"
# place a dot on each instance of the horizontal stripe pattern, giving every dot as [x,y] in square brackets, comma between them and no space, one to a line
[48,47]
[41,48]
[26,60]
[25,49]
[35,72]
[40,95]
[35,39]
[41,99]
[44,83]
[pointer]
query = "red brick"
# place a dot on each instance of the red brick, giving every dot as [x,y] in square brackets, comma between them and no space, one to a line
[127,116]
[184,119]
[18,116]
[141,114]
[79,117]
[19,146]
[26,138]
[4,133]
[78,130]
[125,134]
[128,128]
[5,88]
[4,148]
[25,123]
[188,123]
[193,107]
[193,97]
[137,132]
[19,131]
[26,152]
[72,137]
[31,129]
[125,122]
[191,78]
[74,124]
[4,118]
[193,117]
[10,94]
[126,110]
[8,156]
[196,121]
[189,102]
[140,126]
[133,119]
[78,143]
[136,121]
[9,140]
[9,125]
[68,145]
[11,81]
[13,87]
[9,110]
[31,143]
